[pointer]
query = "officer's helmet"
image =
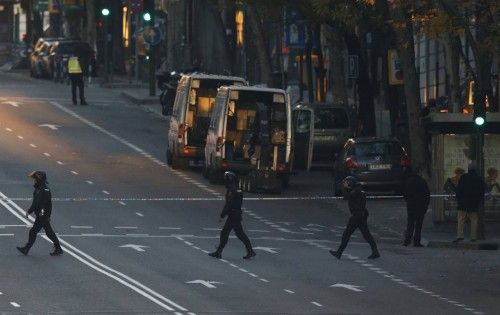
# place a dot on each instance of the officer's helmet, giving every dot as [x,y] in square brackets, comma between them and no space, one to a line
[230,179]
[38,176]
[350,181]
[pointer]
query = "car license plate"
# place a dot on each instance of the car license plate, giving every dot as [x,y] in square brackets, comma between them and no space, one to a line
[379,167]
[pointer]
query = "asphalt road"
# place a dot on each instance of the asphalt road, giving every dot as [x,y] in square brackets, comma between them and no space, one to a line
[136,234]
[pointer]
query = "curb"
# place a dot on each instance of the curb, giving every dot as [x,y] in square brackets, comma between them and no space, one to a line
[481,245]
[140,100]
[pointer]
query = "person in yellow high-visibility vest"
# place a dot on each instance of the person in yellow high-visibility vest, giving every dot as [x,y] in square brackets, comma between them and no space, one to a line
[75,71]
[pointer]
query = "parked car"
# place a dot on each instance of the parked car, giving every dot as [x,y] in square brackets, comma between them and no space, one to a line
[377,163]
[328,124]
[39,57]
[250,134]
[190,116]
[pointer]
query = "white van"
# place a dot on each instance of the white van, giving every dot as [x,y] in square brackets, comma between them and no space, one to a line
[188,125]
[250,129]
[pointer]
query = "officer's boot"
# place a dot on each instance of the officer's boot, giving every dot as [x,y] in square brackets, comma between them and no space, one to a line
[250,253]
[217,253]
[57,251]
[337,253]
[24,250]
[375,254]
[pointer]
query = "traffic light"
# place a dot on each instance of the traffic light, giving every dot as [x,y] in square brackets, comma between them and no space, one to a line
[105,12]
[479,113]
[146,16]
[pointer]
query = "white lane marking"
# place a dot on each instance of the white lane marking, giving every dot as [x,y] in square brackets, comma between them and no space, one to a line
[122,203]
[92,234]
[355,288]
[8,129]
[126,227]
[50,126]
[32,145]
[105,192]
[139,214]
[208,284]
[259,231]
[270,250]
[15,304]
[59,162]
[253,275]
[82,227]
[289,291]
[1,293]
[137,234]
[46,154]
[74,172]
[138,248]
[7,234]
[212,229]
[317,304]
[243,270]
[169,228]
[20,137]
[11,103]
[264,280]
[89,182]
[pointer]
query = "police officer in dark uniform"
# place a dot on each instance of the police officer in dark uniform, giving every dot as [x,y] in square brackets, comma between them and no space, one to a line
[42,208]
[232,209]
[356,197]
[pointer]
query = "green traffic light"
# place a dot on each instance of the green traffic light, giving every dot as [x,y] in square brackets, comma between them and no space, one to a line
[479,121]
[146,16]
[105,11]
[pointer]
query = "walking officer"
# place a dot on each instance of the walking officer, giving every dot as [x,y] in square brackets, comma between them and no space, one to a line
[77,70]
[232,209]
[42,208]
[354,194]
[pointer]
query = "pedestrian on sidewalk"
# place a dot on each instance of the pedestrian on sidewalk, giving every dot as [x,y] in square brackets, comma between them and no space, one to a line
[356,197]
[42,208]
[470,194]
[232,209]
[417,197]
[77,69]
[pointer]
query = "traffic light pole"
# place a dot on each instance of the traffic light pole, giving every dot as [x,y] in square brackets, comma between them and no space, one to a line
[480,168]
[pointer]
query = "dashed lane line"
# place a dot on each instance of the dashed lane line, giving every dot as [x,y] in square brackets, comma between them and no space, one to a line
[82,227]
[74,172]
[316,303]
[33,145]
[139,214]
[15,304]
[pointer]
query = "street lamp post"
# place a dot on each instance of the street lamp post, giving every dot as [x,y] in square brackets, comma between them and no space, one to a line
[105,13]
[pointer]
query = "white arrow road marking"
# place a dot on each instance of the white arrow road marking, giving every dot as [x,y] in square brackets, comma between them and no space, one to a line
[50,126]
[316,225]
[138,248]
[267,249]
[208,284]
[351,287]
[11,103]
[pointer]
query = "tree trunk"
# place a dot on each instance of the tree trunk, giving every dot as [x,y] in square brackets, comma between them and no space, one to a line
[452,68]
[260,45]
[335,46]
[404,36]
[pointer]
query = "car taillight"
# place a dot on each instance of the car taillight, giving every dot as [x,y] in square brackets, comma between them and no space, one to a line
[280,167]
[185,151]
[219,144]
[351,163]
[180,132]
[405,162]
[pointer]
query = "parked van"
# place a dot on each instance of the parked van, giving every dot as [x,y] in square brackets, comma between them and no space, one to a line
[250,130]
[190,116]
[320,131]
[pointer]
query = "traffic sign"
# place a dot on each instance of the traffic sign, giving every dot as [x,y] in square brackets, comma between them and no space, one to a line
[152,35]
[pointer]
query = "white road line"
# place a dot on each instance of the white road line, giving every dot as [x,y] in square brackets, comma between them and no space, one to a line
[169,228]
[82,227]
[126,227]
[1,293]
[89,182]
[7,234]
[317,304]
[137,234]
[259,231]
[32,145]
[46,154]
[211,229]
[74,172]
[122,203]
[105,192]
[15,304]
[20,137]
[253,275]
[8,129]
[289,291]
[139,214]
[59,162]
[92,234]
[264,280]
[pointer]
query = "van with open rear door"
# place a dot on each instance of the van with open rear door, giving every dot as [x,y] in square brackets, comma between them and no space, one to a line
[190,117]
[250,134]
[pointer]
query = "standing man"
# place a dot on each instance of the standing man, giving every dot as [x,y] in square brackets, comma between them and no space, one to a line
[42,208]
[76,71]
[470,194]
[356,197]
[417,197]
[232,209]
